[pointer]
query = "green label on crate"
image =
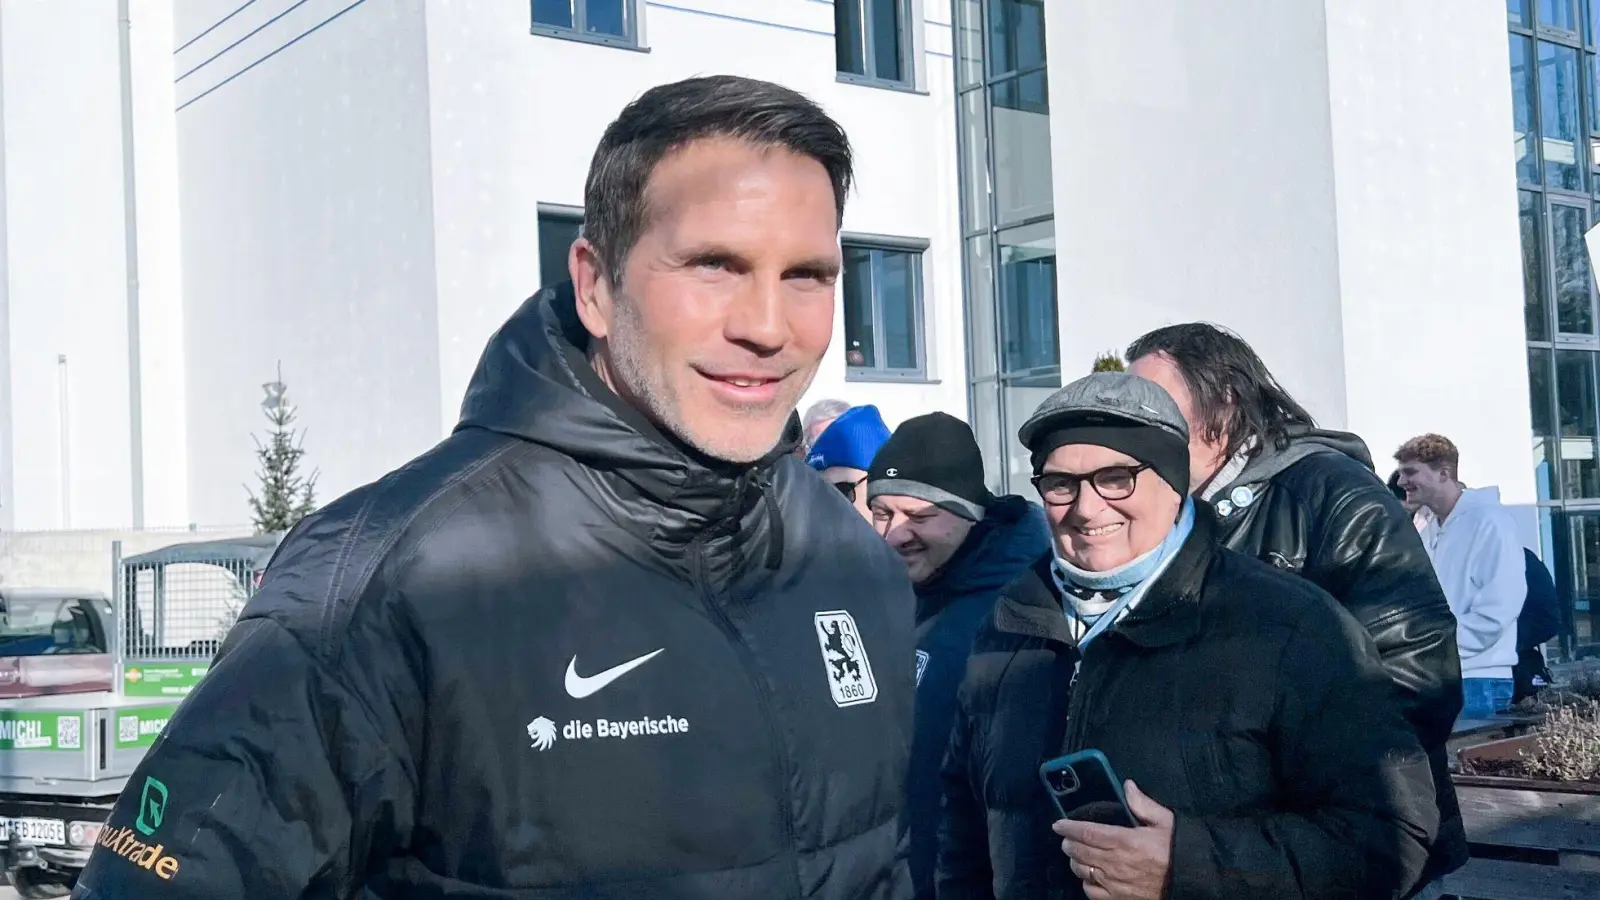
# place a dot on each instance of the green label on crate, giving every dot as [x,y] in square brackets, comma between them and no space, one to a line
[161,679]
[137,728]
[40,730]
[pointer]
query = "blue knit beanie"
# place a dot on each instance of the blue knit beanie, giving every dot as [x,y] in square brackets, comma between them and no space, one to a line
[851,440]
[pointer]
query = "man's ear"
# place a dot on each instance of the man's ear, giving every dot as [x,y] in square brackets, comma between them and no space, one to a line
[591,287]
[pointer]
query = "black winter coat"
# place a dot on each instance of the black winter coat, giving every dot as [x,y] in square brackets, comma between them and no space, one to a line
[1319,510]
[950,607]
[1241,698]
[434,692]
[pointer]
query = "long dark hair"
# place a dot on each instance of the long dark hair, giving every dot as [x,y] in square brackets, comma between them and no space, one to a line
[1235,395]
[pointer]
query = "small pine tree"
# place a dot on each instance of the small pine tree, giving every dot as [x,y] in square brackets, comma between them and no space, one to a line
[1108,362]
[286,496]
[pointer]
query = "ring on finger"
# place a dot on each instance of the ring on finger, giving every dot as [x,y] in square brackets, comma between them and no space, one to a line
[1094,876]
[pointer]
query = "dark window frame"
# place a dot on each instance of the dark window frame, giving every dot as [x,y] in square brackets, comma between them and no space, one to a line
[907,43]
[917,249]
[577,32]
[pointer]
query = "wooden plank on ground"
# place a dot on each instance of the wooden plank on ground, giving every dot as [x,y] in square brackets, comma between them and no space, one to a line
[1493,879]
[1543,820]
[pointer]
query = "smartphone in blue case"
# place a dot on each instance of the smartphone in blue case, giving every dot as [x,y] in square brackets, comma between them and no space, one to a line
[1084,789]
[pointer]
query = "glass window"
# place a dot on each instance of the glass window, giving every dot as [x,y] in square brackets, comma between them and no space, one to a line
[1559,14]
[1570,272]
[1541,396]
[557,231]
[1558,116]
[606,17]
[987,429]
[860,350]
[610,19]
[1581,555]
[870,39]
[968,39]
[1536,314]
[1016,35]
[1020,401]
[1576,404]
[1523,100]
[981,312]
[1021,149]
[882,310]
[974,160]
[1031,340]
[554,13]
[1514,11]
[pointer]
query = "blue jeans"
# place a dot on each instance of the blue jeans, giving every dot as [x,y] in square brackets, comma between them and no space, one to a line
[1485,696]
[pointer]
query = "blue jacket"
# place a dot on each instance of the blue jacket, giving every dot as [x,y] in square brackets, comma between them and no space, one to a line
[950,607]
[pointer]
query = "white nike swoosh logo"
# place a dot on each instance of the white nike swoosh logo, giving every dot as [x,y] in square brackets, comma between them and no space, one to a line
[579,687]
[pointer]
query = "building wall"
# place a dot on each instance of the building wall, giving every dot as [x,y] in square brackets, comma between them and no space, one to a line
[65,269]
[163,412]
[1319,185]
[360,195]
[1430,267]
[307,238]
[505,140]
[66,274]
[1194,181]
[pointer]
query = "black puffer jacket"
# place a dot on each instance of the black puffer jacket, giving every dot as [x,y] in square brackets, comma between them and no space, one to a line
[555,657]
[1240,698]
[950,608]
[1318,509]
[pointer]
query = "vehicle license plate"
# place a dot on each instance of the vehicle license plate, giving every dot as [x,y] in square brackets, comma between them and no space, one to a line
[34,831]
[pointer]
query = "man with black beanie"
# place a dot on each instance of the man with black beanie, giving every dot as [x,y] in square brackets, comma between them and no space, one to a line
[961,544]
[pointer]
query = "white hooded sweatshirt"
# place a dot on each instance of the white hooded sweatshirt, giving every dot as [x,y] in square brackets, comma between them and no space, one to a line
[1479,561]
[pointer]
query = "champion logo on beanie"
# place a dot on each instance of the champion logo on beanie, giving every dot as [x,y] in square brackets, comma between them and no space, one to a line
[933,457]
[851,440]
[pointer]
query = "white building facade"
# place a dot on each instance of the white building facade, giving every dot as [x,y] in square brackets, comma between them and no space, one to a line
[362,191]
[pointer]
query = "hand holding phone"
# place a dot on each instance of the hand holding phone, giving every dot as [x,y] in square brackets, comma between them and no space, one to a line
[1083,788]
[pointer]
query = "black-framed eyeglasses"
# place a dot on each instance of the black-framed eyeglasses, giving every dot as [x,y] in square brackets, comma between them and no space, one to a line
[1110,482]
[848,488]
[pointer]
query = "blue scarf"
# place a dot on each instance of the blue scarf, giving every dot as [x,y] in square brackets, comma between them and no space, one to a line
[1088,596]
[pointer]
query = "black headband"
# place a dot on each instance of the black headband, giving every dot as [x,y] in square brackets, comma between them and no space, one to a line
[1164,452]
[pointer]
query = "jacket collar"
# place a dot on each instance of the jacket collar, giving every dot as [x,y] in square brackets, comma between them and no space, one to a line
[535,382]
[1011,535]
[1169,613]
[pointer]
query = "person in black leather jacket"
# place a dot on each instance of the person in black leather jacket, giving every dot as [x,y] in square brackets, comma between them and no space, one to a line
[1309,501]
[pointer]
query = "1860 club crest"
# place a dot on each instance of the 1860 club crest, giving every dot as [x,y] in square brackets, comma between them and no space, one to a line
[849,672]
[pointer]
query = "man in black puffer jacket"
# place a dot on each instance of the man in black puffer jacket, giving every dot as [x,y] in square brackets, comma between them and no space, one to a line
[611,638]
[1308,501]
[961,545]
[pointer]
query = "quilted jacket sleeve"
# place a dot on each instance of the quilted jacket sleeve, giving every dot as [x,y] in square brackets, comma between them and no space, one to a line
[272,781]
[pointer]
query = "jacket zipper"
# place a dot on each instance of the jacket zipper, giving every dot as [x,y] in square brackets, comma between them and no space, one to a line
[780,764]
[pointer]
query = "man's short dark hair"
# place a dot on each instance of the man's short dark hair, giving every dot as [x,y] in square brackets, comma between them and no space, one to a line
[1236,399]
[671,116]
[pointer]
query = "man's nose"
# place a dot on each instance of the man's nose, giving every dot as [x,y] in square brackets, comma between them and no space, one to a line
[757,317]
[1089,502]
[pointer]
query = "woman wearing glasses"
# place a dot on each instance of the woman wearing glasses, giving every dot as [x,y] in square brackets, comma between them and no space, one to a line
[1246,716]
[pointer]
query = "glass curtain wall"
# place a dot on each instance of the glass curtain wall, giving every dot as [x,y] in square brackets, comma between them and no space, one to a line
[1009,254]
[1555,93]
